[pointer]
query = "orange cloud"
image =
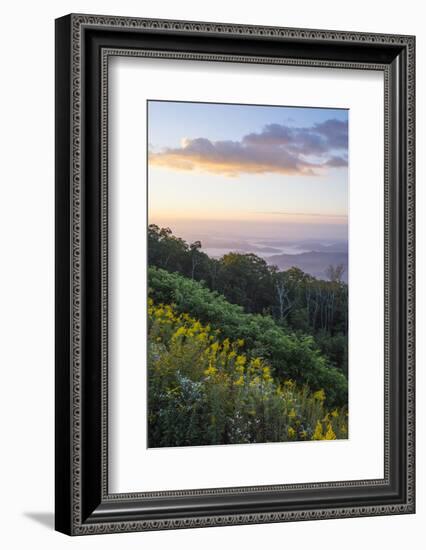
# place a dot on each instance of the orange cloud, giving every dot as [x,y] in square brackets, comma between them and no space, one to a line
[277,149]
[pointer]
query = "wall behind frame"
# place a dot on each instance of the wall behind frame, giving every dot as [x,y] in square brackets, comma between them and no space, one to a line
[26,286]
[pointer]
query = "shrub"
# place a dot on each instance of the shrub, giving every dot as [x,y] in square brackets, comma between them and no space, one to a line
[289,355]
[205,389]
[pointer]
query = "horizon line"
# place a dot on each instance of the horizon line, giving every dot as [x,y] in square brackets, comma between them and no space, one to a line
[277,217]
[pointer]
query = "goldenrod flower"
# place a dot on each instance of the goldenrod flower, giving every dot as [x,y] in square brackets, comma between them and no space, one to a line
[291,432]
[187,356]
[240,361]
[240,381]
[319,395]
[211,371]
[330,432]
[214,347]
[292,413]
[318,432]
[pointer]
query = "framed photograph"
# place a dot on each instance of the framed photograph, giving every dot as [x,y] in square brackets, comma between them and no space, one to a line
[234,274]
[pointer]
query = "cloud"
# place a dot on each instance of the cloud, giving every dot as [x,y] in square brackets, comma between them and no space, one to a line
[305,214]
[276,149]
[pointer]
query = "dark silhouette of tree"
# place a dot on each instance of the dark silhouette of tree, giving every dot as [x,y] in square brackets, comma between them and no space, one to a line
[335,273]
[195,256]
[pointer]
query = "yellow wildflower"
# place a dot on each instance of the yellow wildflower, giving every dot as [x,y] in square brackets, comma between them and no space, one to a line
[214,347]
[266,374]
[211,371]
[292,413]
[319,395]
[256,363]
[240,381]
[291,432]
[181,331]
[330,432]
[240,361]
[318,432]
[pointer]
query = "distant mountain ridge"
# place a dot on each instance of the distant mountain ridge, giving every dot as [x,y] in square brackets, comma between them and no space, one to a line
[315,263]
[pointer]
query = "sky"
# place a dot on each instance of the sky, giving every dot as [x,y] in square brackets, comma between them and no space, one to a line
[226,171]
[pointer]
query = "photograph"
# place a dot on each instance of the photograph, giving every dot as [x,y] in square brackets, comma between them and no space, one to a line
[248,273]
[235,285]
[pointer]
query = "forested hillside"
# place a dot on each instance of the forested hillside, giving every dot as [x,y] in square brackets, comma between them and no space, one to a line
[241,352]
[296,301]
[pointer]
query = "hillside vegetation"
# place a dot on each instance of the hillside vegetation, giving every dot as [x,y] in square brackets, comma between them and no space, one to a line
[205,389]
[290,355]
[295,300]
[239,352]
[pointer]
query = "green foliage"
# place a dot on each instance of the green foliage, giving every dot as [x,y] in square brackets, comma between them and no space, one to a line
[291,356]
[298,302]
[335,348]
[205,389]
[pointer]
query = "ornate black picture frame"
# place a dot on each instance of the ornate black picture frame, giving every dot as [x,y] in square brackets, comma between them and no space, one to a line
[83,45]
